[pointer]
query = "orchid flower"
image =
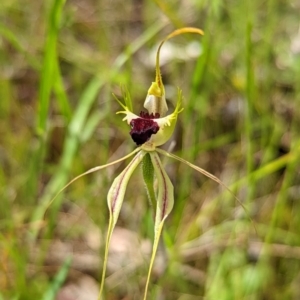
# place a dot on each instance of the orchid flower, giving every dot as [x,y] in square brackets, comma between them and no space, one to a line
[148,130]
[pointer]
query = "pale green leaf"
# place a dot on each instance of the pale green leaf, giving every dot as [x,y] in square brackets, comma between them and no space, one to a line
[148,174]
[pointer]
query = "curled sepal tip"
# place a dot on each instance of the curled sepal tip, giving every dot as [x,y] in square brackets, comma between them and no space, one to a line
[165,202]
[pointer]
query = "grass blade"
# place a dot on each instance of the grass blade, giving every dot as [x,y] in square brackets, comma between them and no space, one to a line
[58,280]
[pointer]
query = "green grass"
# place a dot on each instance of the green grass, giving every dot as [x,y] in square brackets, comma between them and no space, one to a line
[60,63]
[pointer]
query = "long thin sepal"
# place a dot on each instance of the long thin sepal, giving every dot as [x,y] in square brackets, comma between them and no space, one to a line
[165,202]
[115,199]
[92,170]
[172,34]
[207,174]
[155,101]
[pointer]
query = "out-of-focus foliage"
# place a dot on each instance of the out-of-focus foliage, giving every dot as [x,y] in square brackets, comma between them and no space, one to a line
[61,60]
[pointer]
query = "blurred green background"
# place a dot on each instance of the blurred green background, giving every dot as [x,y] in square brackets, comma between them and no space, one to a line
[60,63]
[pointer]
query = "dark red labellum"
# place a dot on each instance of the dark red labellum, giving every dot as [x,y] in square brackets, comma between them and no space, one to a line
[142,128]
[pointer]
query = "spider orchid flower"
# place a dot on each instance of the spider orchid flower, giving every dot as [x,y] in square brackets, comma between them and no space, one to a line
[149,130]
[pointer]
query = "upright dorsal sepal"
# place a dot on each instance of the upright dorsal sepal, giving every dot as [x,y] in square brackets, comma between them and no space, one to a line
[155,101]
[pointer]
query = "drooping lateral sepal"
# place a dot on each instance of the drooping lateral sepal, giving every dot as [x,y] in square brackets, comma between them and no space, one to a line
[117,190]
[165,202]
[208,175]
[115,199]
[165,194]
